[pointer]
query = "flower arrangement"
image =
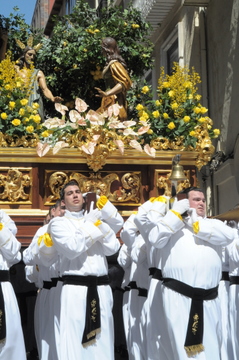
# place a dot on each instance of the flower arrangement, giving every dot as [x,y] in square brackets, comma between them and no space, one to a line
[176,119]
[88,129]
[18,120]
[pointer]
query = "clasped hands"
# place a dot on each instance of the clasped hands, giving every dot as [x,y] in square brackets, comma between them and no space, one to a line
[182,207]
[93,214]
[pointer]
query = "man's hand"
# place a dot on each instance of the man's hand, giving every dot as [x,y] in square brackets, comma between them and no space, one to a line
[181,206]
[193,217]
[93,214]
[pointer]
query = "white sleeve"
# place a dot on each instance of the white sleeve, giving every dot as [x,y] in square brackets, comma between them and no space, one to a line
[165,228]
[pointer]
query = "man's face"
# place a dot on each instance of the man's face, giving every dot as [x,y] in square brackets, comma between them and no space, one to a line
[198,202]
[73,199]
[58,211]
[30,56]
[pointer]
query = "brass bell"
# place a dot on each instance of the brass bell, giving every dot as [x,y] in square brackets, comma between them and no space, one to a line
[177,173]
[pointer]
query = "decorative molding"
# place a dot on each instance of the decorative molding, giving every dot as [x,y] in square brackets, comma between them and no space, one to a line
[72,156]
[121,188]
[15,185]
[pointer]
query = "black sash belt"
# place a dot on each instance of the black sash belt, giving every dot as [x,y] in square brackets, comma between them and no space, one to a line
[234,280]
[225,276]
[92,317]
[193,343]
[158,275]
[120,289]
[142,292]
[48,285]
[131,285]
[152,270]
[4,276]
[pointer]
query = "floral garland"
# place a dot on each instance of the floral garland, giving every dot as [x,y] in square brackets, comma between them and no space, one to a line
[176,120]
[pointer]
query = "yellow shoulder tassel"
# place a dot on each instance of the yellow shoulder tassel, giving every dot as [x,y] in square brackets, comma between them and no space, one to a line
[196,227]
[101,202]
[177,214]
[98,222]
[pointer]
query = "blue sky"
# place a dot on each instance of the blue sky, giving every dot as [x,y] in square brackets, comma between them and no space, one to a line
[26,8]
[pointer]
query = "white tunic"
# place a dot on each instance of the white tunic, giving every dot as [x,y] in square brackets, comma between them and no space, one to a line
[233,249]
[83,248]
[13,347]
[194,259]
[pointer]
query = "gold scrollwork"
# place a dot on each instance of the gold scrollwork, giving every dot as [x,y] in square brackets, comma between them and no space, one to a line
[163,182]
[128,187]
[15,186]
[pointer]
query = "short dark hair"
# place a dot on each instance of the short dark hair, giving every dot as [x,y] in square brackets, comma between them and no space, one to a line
[70,183]
[188,190]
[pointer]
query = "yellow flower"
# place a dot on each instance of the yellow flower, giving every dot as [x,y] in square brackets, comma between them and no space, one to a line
[190,96]
[198,97]
[144,117]
[139,107]
[209,127]
[35,106]
[166,84]
[174,106]
[157,102]
[97,30]
[125,24]
[216,132]
[145,89]
[135,26]
[197,110]
[37,119]
[24,102]
[4,116]
[202,119]
[45,133]
[203,110]
[150,131]
[30,129]
[171,93]
[1,226]
[21,112]
[19,84]
[188,84]
[171,125]
[12,104]
[7,87]
[16,122]
[85,50]
[186,119]
[165,115]
[25,120]
[65,43]
[155,114]
[192,133]
[74,66]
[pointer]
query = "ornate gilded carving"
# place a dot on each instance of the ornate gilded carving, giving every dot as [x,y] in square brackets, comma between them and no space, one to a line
[163,182]
[119,187]
[15,185]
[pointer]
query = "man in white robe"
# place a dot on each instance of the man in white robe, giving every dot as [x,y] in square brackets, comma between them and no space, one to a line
[191,247]
[12,342]
[83,241]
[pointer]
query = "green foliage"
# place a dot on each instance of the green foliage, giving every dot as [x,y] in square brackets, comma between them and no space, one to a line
[71,58]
